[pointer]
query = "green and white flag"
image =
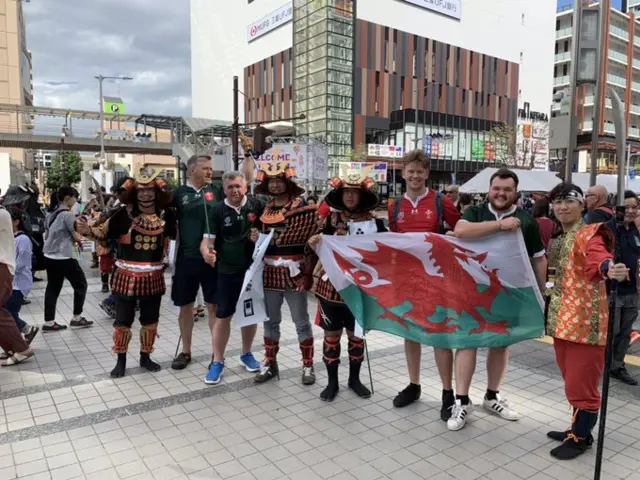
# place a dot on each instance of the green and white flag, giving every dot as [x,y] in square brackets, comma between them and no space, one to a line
[438,290]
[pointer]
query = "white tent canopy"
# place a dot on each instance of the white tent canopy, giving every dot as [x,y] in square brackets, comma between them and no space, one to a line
[529,181]
[539,181]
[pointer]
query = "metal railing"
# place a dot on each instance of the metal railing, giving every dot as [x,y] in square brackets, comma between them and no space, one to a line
[621,57]
[616,80]
[620,32]
[561,80]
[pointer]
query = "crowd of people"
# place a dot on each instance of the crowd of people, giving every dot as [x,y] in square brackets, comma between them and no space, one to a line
[216,226]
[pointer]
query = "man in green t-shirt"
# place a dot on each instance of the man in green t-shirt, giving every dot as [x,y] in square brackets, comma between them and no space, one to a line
[500,214]
[229,246]
[192,203]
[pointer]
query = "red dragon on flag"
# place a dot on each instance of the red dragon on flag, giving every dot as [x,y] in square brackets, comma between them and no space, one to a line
[403,279]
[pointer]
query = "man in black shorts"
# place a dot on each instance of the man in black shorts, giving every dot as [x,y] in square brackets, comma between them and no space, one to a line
[230,248]
[192,202]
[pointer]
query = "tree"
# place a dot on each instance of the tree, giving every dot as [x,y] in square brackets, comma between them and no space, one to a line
[359,154]
[502,139]
[71,163]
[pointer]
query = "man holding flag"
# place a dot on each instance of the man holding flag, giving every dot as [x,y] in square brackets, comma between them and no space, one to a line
[293,222]
[229,246]
[423,210]
[500,214]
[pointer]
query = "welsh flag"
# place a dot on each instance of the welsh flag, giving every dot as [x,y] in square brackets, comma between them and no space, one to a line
[438,290]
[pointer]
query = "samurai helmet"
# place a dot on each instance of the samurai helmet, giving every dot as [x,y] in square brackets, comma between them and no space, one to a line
[281,170]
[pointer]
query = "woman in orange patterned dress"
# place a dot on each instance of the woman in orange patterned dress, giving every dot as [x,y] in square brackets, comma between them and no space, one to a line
[580,261]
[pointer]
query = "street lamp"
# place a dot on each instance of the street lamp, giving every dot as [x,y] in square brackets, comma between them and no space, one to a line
[102,78]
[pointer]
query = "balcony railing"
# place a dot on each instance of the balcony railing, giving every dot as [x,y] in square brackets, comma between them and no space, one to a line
[634,132]
[621,57]
[564,56]
[587,125]
[635,86]
[616,80]
[635,109]
[565,32]
[561,80]
[636,40]
[620,32]
[609,127]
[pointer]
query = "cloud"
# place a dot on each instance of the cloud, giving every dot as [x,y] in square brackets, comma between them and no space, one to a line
[145,39]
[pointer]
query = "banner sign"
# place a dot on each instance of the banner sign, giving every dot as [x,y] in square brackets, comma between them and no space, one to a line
[375,170]
[450,8]
[385,151]
[310,162]
[402,284]
[272,21]
[250,309]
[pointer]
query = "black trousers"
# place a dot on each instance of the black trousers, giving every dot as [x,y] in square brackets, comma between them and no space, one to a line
[126,310]
[57,272]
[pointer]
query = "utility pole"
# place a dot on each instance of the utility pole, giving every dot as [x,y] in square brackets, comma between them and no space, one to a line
[235,128]
[573,84]
[599,92]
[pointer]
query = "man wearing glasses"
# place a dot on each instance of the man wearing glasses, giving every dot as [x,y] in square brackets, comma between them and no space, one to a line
[596,200]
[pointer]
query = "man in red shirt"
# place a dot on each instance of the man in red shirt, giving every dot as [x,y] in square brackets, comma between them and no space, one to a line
[423,210]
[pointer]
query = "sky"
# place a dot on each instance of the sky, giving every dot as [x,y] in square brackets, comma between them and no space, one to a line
[72,41]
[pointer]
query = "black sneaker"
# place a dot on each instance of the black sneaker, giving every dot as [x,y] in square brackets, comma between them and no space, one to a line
[81,323]
[181,361]
[407,396]
[448,401]
[105,288]
[31,334]
[53,328]
[25,301]
[622,375]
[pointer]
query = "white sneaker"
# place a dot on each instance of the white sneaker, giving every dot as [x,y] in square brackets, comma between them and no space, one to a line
[459,416]
[501,407]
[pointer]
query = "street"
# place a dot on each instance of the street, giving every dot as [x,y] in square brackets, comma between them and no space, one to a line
[63,417]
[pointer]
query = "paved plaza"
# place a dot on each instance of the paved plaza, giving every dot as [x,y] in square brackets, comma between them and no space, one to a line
[62,416]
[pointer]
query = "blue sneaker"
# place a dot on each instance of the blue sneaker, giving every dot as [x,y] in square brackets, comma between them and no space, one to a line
[214,375]
[250,362]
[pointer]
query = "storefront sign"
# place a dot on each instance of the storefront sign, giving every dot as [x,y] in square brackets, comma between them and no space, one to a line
[450,8]
[272,21]
[375,170]
[385,151]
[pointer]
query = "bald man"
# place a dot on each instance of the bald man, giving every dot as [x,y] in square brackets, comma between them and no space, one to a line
[597,210]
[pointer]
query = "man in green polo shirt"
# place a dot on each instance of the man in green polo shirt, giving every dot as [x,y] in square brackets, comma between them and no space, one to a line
[230,248]
[500,214]
[192,202]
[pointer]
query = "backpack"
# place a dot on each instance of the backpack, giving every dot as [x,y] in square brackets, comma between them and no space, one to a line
[441,228]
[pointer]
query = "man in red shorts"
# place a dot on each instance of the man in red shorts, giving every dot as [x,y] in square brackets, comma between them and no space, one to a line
[423,210]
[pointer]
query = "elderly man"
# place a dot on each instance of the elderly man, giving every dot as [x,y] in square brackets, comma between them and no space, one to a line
[597,199]
[229,247]
[452,192]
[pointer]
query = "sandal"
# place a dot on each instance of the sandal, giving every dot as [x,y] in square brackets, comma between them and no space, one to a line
[18,358]
[5,355]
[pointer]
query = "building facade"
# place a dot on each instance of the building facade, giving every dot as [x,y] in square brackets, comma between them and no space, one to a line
[16,85]
[621,72]
[449,79]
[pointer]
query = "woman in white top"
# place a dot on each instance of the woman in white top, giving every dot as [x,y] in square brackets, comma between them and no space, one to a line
[11,341]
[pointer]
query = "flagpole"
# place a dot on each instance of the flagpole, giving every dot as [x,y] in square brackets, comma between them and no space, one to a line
[366,350]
